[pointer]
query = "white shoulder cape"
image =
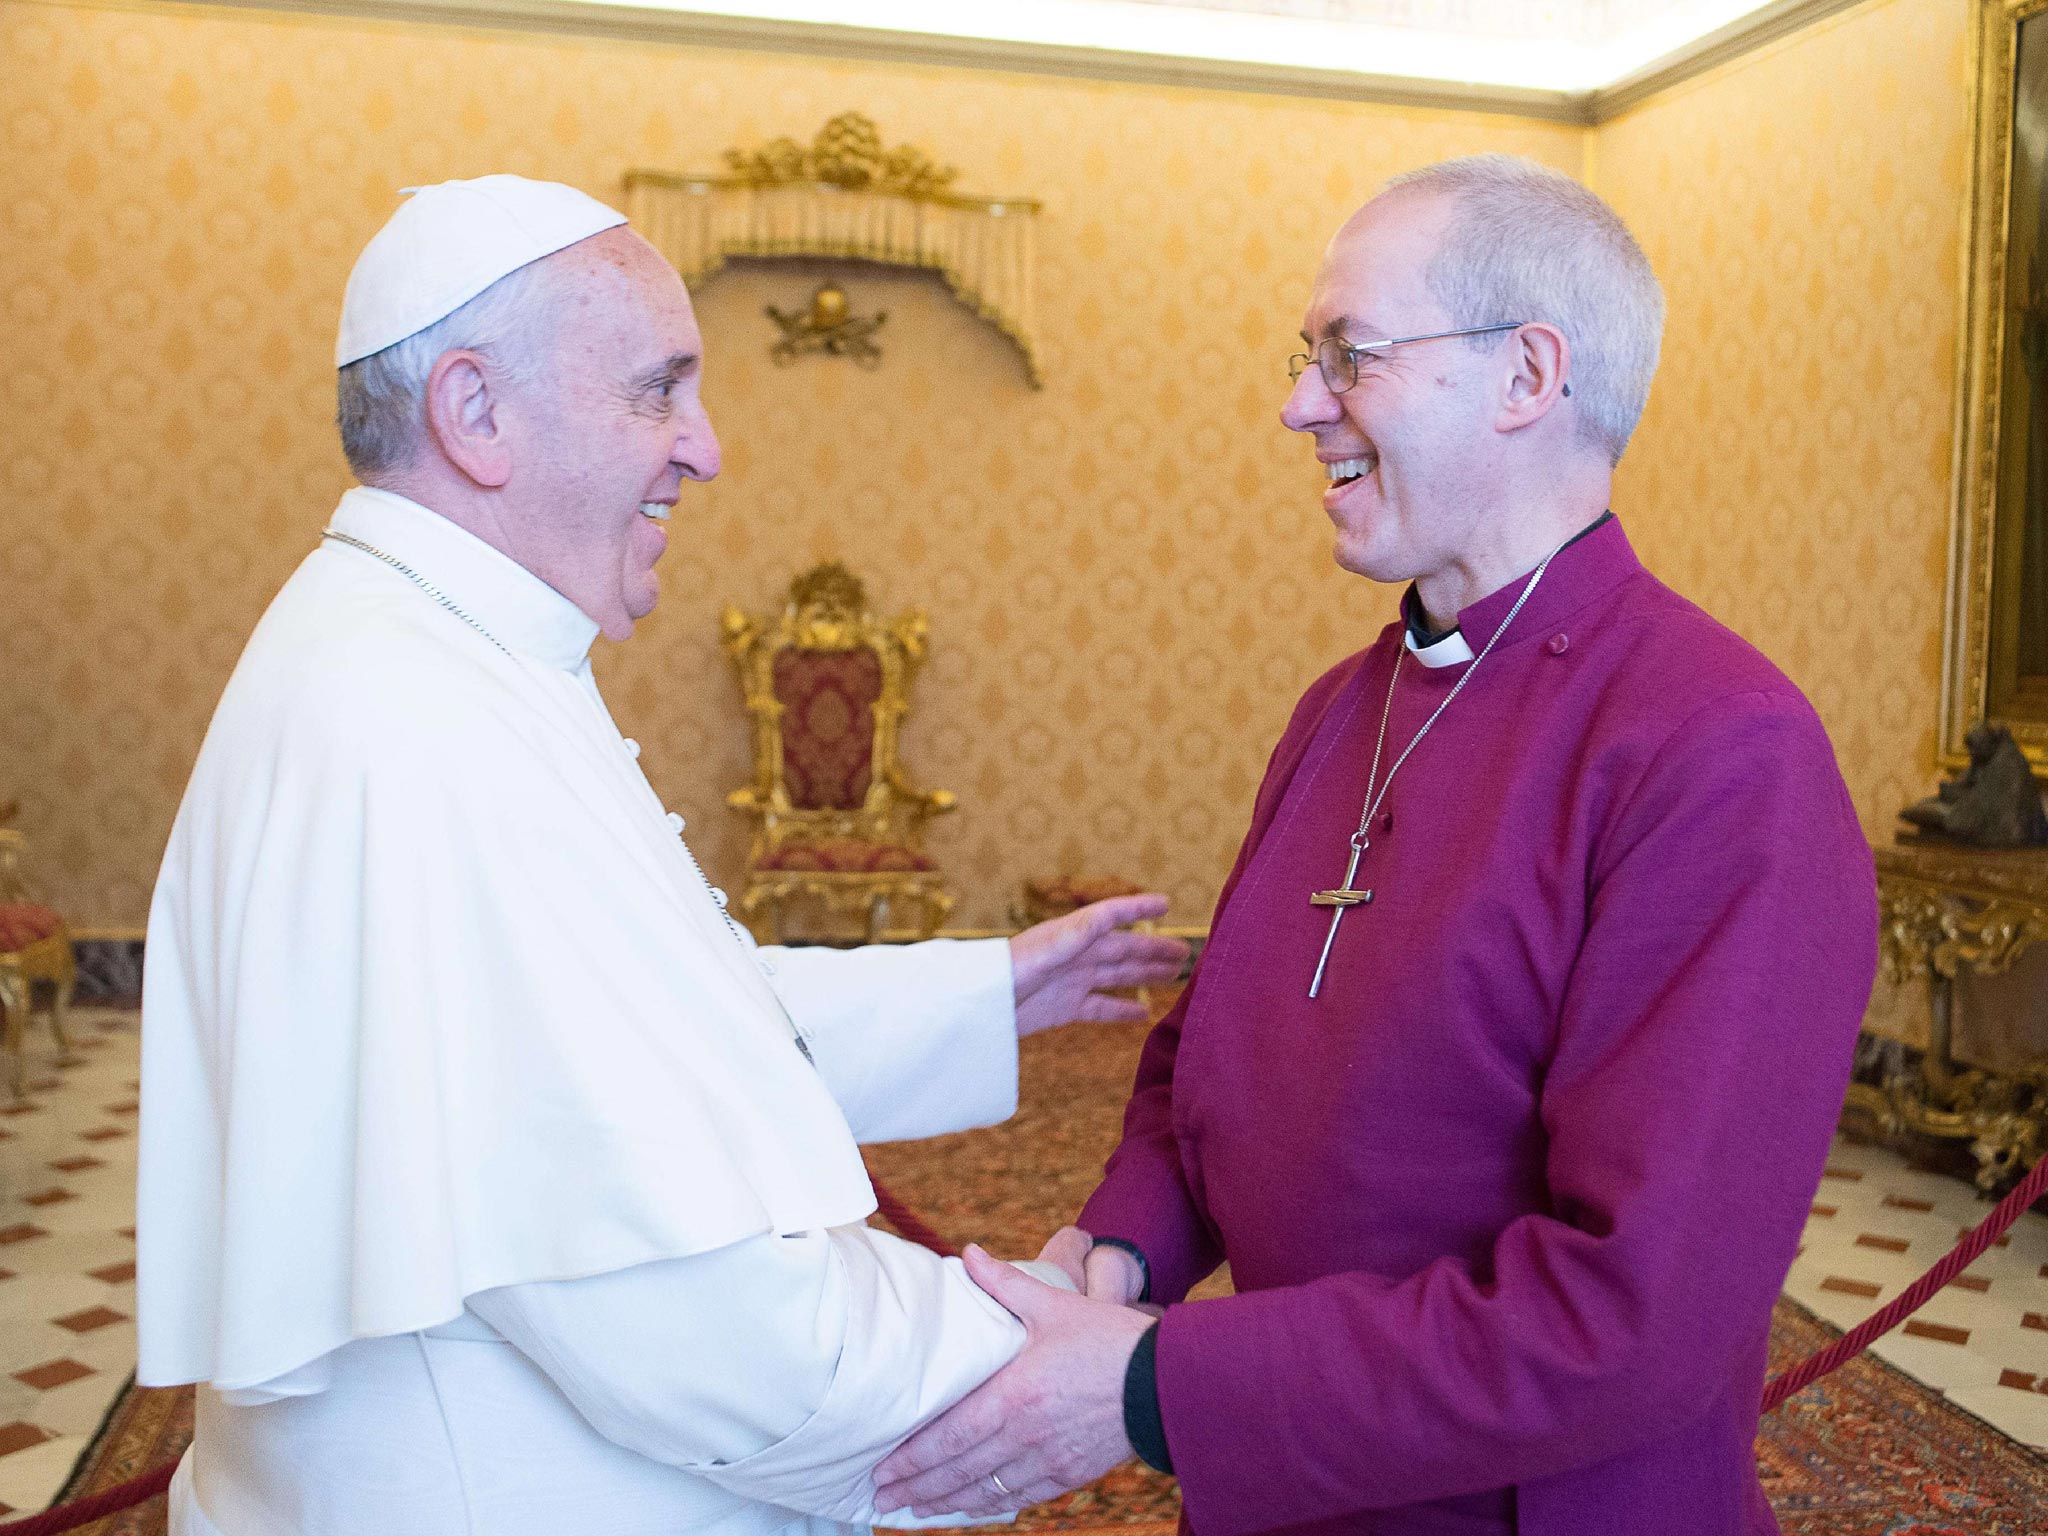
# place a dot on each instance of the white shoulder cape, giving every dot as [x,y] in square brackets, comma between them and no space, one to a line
[436,1000]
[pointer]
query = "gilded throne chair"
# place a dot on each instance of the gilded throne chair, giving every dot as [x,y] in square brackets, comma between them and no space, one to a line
[837,825]
[35,953]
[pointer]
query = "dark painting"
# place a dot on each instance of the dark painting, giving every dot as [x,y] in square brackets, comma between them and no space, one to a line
[2019,628]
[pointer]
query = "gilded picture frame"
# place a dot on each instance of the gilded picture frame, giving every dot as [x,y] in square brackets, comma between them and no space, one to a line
[1995,648]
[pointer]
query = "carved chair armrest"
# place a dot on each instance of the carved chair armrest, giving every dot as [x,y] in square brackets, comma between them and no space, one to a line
[920,802]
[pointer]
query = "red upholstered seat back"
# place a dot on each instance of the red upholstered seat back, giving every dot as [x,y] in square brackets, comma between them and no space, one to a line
[828,725]
[22,923]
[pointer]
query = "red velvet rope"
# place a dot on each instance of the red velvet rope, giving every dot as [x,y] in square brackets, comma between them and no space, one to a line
[906,1221]
[1914,1296]
[68,1517]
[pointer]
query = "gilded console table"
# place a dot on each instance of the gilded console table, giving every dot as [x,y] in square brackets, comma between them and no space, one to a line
[1943,909]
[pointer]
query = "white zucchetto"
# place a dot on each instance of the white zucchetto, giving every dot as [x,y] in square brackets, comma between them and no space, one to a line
[449,242]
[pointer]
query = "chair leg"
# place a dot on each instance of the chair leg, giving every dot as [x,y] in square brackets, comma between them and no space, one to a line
[13,1021]
[878,917]
[938,906]
[60,1012]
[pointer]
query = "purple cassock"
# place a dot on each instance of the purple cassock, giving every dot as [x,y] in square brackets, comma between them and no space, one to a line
[1507,1205]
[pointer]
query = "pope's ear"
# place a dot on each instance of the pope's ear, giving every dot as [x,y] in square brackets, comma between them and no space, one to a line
[463,408]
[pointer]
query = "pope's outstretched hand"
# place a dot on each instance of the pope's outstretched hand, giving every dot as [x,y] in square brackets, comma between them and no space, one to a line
[1065,968]
[1050,1420]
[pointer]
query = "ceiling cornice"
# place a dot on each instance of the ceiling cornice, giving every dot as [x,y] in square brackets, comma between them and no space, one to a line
[640,23]
[1760,27]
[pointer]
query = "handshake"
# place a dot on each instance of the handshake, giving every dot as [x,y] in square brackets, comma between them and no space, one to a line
[1053,1418]
[1102,1272]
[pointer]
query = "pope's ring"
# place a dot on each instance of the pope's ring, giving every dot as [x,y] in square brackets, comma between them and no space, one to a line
[1001,1486]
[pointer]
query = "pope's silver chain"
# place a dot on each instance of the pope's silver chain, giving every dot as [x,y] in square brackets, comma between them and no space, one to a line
[717,896]
[416,579]
[796,1032]
[449,603]
[1372,803]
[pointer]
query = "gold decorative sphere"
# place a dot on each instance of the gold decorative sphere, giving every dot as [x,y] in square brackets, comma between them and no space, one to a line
[828,306]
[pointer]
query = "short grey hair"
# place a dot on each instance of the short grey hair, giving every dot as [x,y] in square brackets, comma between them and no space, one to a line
[1528,243]
[380,400]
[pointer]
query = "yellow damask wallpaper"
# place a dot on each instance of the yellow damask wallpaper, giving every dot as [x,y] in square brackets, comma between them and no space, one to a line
[1128,573]
[1803,207]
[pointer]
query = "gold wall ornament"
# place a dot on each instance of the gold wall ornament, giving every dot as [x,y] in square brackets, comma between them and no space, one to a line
[847,198]
[846,152]
[1995,643]
[828,326]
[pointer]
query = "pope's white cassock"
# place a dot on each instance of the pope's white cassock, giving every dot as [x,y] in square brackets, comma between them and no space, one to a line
[486,1186]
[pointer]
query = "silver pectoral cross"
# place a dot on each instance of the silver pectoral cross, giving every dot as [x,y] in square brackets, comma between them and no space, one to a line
[1341,900]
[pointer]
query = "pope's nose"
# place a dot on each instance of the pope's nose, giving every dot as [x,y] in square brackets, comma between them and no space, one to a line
[698,454]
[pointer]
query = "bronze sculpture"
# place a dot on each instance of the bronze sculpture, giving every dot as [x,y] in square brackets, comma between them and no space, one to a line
[1994,804]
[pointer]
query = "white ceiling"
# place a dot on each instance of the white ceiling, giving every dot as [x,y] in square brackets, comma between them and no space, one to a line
[1571,46]
[1586,21]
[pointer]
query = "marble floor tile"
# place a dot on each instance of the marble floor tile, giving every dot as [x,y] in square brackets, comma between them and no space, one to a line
[77,1195]
[29,1479]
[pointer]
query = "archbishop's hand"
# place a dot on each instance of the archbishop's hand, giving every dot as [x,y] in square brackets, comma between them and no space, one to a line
[1065,967]
[1050,1420]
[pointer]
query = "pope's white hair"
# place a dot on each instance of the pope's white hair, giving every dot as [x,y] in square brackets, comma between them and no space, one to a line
[1529,243]
[380,400]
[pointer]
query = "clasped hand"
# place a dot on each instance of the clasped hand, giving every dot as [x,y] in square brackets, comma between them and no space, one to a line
[1050,1420]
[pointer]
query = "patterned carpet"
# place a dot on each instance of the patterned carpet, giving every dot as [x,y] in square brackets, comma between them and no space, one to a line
[1868,1452]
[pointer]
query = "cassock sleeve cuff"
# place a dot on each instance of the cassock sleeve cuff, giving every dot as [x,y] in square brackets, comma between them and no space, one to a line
[1142,1420]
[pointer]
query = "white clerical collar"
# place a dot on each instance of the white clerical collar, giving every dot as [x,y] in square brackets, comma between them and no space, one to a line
[515,606]
[1446,651]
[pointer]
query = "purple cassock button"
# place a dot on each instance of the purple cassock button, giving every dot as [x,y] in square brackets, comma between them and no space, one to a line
[1558,644]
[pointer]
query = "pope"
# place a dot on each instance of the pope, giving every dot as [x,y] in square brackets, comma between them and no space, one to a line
[491,1179]
[1508,1073]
